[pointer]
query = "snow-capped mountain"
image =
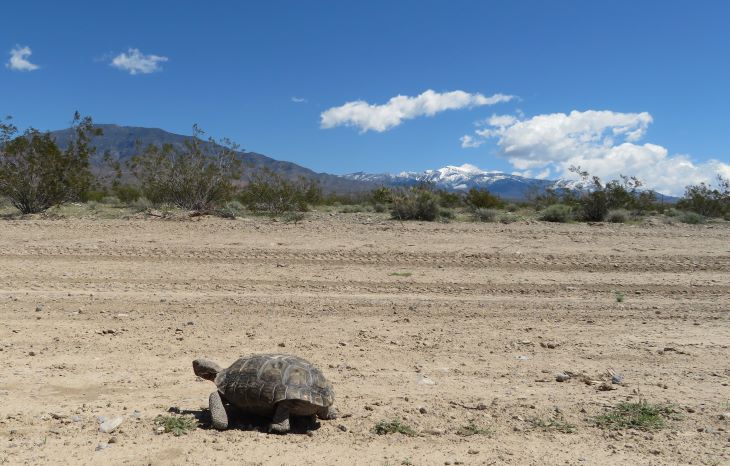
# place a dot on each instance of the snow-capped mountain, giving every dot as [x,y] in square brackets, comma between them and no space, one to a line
[463,178]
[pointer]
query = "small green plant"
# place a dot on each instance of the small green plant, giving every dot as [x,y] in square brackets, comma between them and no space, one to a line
[401,274]
[557,423]
[559,213]
[692,218]
[640,415]
[618,216]
[394,426]
[415,204]
[485,215]
[619,296]
[352,209]
[177,425]
[293,217]
[473,429]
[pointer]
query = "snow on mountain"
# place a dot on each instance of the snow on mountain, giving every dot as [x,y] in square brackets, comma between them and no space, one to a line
[460,178]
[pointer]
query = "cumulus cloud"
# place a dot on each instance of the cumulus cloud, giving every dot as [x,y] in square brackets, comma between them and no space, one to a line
[370,117]
[135,62]
[19,59]
[604,143]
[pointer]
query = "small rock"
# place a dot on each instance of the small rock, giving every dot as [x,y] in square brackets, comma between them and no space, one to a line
[111,425]
[562,377]
[342,427]
[77,418]
[655,452]
[617,379]
[481,406]
[523,357]
[31,353]
[160,430]
[39,308]
[473,451]
[101,446]
[113,440]
[190,323]
[422,410]
[282,344]
[423,380]
[724,416]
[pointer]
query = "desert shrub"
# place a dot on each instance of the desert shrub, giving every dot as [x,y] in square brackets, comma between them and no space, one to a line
[231,210]
[595,198]
[197,176]
[512,208]
[485,215]
[379,208]
[352,209]
[507,219]
[36,174]
[415,204]
[126,193]
[706,200]
[482,199]
[692,218]
[272,193]
[449,199]
[93,195]
[556,213]
[447,214]
[293,217]
[618,216]
[672,212]
[110,200]
[141,204]
[381,195]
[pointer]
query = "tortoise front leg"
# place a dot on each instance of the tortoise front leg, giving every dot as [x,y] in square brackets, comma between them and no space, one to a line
[280,423]
[218,413]
[328,413]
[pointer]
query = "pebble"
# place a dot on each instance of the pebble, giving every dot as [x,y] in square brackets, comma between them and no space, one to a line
[523,357]
[562,377]
[113,440]
[111,425]
[422,410]
[423,380]
[473,452]
[160,430]
[282,344]
[77,418]
[101,446]
[617,379]
[342,427]
[39,308]
[724,416]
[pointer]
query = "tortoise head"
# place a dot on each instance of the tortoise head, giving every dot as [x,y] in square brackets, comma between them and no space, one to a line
[206,369]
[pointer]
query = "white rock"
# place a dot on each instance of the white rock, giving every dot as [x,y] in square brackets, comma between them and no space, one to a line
[111,425]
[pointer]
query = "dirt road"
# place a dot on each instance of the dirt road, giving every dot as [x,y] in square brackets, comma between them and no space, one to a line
[451,328]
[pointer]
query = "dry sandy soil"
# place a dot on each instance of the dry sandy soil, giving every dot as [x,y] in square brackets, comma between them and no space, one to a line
[487,317]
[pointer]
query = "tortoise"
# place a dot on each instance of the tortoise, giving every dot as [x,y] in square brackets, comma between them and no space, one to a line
[268,385]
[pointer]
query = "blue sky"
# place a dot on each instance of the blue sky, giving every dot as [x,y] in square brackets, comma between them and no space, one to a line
[614,86]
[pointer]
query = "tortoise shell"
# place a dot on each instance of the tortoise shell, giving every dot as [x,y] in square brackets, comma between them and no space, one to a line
[262,380]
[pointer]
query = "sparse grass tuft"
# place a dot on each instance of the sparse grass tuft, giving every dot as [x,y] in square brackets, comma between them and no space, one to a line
[394,426]
[485,215]
[401,274]
[473,429]
[618,216]
[640,415]
[556,424]
[177,425]
[619,296]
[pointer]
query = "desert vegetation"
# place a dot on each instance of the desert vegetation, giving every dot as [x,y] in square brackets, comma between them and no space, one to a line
[206,176]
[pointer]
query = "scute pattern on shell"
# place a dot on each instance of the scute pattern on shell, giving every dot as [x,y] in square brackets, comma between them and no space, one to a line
[265,379]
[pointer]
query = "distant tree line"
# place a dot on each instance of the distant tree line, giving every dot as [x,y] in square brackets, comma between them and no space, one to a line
[206,175]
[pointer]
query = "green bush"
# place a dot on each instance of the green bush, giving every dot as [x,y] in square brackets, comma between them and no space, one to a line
[272,193]
[415,204]
[485,215]
[35,174]
[556,213]
[379,208]
[706,200]
[692,218]
[126,193]
[482,199]
[197,176]
[110,200]
[618,216]
[447,214]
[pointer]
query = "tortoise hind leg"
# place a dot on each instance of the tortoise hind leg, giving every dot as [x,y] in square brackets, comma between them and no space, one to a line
[280,423]
[218,414]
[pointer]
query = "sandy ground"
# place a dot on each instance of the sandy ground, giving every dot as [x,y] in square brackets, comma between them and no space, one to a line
[488,316]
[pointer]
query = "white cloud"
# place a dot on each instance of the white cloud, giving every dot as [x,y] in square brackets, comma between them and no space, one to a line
[136,62]
[381,118]
[299,100]
[604,143]
[19,59]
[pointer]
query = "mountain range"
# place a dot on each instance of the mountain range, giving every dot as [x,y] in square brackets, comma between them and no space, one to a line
[122,141]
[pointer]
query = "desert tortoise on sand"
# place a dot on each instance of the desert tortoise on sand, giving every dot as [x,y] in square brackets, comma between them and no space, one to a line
[271,385]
